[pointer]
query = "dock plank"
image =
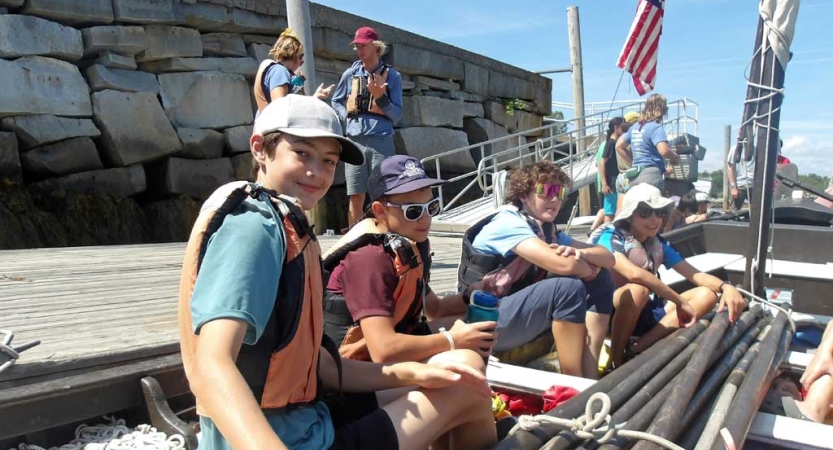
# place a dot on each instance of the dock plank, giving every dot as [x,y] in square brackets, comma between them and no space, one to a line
[92,306]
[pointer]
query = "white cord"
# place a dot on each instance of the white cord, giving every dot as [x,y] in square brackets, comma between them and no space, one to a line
[591,425]
[117,436]
[769,303]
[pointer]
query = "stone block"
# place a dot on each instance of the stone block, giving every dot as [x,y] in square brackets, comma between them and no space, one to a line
[333,66]
[476,80]
[11,3]
[29,36]
[102,78]
[38,85]
[242,165]
[508,86]
[134,127]
[433,83]
[206,99]
[543,97]
[62,158]
[236,139]
[260,52]
[496,112]
[333,44]
[481,130]
[467,97]
[435,94]
[196,178]
[72,12]
[472,109]
[116,61]
[170,42]
[407,85]
[243,21]
[421,142]
[9,157]
[431,112]
[120,181]
[416,61]
[223,44]
[145,11]
[4,10]
[527,121]
[260,39]
[125,40]
[243,66]
[204,16]
[34,131]
[200,144]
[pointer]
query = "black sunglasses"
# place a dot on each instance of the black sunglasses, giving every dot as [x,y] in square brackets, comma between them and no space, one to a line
[645,212]
[413,211]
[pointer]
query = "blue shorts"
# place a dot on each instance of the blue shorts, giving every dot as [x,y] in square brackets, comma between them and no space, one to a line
[650,315]
[529,312]
[609,201]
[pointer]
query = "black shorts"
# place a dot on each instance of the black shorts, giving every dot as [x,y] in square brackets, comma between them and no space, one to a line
[360,424]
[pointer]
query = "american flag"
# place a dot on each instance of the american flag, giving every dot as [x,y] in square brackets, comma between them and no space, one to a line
[639,55]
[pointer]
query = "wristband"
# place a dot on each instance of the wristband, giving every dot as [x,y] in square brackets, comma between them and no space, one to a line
[448,336]
[720,289]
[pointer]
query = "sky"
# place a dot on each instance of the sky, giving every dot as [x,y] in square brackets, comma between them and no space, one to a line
[703,52]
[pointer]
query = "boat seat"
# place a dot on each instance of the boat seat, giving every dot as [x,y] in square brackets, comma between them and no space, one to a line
[788,269]
[707,262]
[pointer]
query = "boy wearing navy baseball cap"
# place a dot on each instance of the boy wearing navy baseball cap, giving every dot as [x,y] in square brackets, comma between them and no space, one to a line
[379,276]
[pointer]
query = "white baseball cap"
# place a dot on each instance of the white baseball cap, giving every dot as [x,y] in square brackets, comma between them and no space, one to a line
[641,193]
[307,117]
[701,197]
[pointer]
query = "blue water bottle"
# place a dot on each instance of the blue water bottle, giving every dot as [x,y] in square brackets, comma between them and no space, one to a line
[482,307]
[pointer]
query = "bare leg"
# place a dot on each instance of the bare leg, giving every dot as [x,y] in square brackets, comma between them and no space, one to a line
[600,217]
[628,301]
[354,211]
[596,331]
[817,402]
[424,416]
[570,343]
[702,299]
[619,200]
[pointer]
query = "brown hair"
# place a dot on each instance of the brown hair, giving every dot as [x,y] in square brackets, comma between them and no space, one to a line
[523,180]
[288,46]
[269,144]
[656,106]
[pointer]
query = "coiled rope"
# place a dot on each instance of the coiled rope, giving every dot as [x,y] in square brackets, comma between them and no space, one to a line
[116,436]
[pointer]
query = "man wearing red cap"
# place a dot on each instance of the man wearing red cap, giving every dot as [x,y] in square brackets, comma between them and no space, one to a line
[369,98]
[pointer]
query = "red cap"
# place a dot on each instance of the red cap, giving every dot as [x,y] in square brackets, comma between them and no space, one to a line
[365,35]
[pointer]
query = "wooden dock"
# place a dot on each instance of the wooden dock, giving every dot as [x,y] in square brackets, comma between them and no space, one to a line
[98,306]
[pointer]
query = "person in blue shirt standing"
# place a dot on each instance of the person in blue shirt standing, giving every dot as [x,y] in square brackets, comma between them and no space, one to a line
[369,98]
[649,145]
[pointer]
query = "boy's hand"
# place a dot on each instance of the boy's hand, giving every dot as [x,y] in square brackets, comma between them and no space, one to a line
[478,336]
[567,251]
[606,189]
[444,374]
[731,298]
[686,315]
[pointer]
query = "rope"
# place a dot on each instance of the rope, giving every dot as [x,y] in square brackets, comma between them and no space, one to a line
[770,304]
[591,425]
[117,436]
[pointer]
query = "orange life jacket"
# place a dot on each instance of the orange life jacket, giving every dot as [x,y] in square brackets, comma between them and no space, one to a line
[282,367]
[407,297]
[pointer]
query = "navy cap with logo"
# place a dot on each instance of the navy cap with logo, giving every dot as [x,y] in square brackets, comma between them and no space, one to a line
[398,174]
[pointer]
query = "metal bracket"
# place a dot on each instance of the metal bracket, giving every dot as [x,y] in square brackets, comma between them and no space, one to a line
[163,418]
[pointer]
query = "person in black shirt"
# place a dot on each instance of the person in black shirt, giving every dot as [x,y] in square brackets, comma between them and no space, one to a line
[609,170]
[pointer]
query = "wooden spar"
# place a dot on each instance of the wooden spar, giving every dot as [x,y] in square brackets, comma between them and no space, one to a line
[642,418]
[666,422]
[710,422]
[745,132]
[717,374]
[736,330]
[642,367]
[755,384]
[768,114]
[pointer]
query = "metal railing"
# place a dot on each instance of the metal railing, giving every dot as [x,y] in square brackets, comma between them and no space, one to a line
[546,142]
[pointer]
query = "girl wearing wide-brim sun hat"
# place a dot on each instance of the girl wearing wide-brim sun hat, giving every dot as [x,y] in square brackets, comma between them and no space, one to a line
[640,296]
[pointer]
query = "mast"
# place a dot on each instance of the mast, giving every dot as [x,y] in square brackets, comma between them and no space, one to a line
[776,29]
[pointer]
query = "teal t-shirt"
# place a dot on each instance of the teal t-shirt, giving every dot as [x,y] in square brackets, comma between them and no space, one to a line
[238,279]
